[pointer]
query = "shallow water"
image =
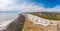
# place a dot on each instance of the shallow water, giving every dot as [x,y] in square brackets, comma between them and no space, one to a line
[6,18]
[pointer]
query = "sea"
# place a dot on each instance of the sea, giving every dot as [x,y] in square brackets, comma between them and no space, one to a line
[6,19]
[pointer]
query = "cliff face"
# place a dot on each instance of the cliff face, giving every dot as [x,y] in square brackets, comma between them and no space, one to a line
[16,25]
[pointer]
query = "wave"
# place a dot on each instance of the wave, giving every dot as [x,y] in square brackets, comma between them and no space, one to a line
[4,24]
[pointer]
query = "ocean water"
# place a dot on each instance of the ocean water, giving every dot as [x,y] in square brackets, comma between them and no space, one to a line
[6,18]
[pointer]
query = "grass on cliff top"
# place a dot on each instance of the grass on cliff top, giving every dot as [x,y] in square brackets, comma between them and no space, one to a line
[46,17]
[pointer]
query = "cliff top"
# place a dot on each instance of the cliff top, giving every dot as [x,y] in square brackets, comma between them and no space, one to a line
[48,15]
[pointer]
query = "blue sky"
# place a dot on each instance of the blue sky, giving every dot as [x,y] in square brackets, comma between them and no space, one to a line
[47,3]
[30,5]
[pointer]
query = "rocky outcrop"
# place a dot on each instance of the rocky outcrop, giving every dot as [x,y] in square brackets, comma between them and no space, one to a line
[16,25]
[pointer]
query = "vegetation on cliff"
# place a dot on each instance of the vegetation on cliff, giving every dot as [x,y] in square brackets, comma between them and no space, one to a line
[48,15]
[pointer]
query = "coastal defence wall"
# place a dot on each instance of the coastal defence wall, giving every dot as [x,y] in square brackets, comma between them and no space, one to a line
[44,24]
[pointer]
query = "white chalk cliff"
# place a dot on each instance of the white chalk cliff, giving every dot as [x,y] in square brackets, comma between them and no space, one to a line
[38,20]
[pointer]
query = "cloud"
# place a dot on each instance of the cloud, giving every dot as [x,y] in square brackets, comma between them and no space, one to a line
[4,3]
[28,7]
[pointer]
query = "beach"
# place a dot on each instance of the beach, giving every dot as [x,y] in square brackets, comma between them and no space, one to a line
[6,18]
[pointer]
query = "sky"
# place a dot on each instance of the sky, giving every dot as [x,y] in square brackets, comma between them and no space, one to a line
[30,5]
